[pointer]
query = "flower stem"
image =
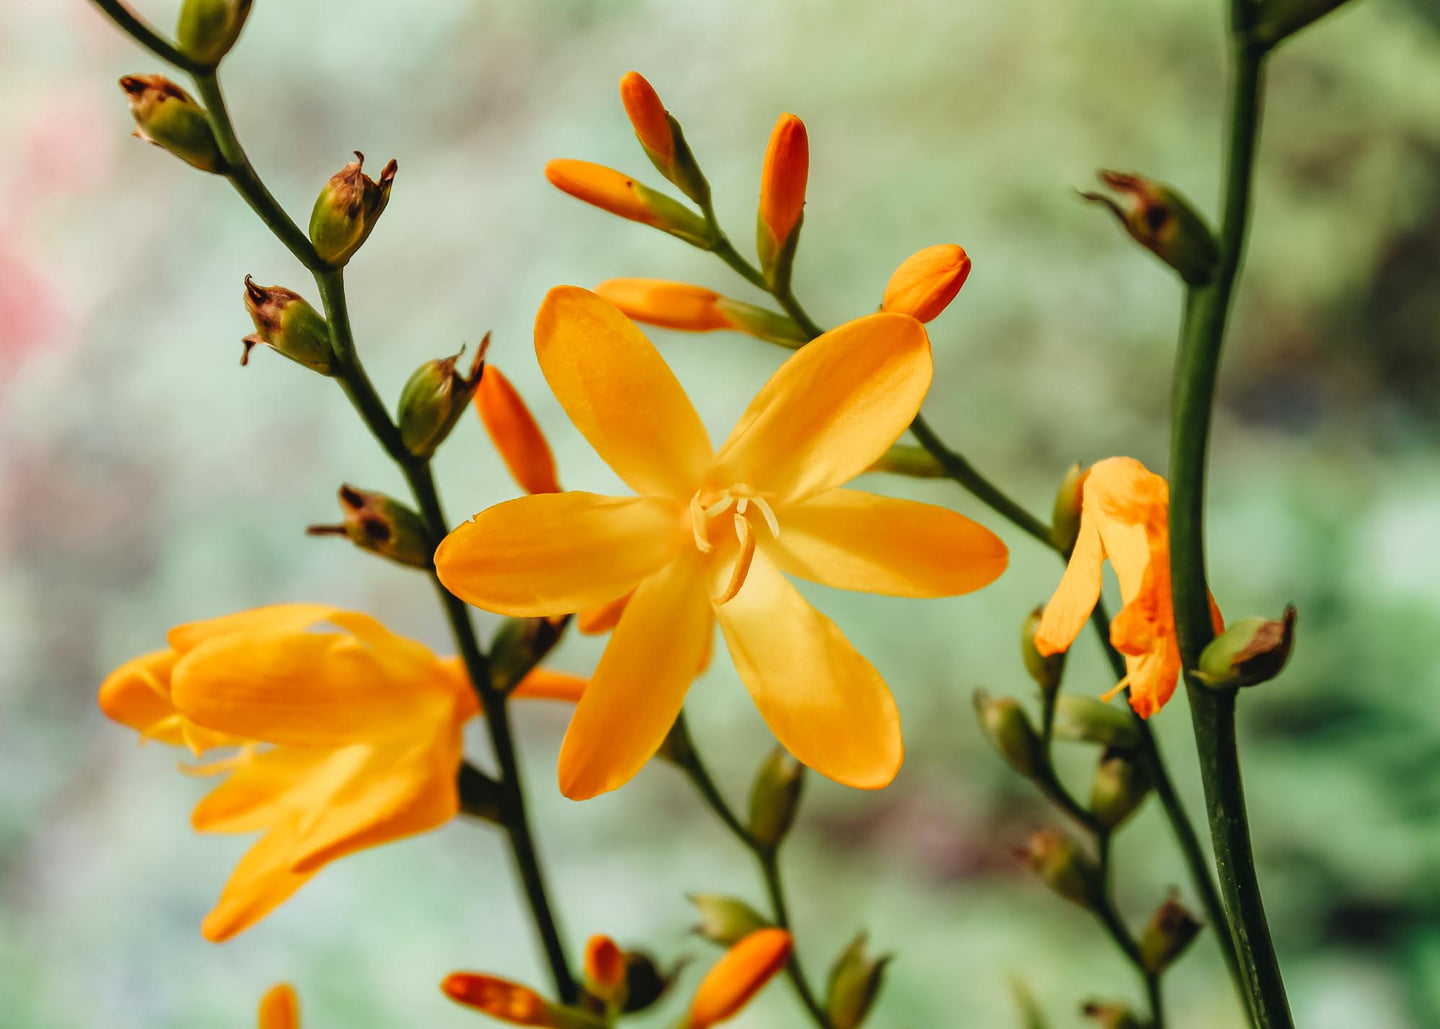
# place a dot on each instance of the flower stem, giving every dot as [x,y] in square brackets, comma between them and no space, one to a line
[140,31]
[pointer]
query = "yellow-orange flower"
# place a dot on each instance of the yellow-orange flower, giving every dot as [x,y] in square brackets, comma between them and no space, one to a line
[347,738]
[1124,514]
[648,116]
[513,430]
[499,998]
[782,184]
[737,977]
[279,1008]
[927,281]
[711,535]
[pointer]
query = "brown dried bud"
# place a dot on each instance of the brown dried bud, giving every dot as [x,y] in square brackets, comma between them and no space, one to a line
[1249,652]
[287,324]
[169,117]
[1164,222]
[382,525]
[347,209]
[1064,867]
[1170,930]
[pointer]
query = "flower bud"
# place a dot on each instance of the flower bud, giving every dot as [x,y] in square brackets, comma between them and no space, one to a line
[285,323]
[499,998]
[208,28]
[515,433]
[661,137]
[433,399]
[737,977]
[1065,517]
[1064,867]
[382,525]
[346,210]
[621,195]
[1088,720]
[775,797]
[1119,787]
[520,645]
[1249,652]
[909,459]
[1005,723]
[279,1008]
[725,920]
[782,198]
[169,117]
[1279,19]
[1164,222]
[605,971]
[1112,1016]
[1046,670]
[927,281]
[1170,930]
[679,305]
[855,981]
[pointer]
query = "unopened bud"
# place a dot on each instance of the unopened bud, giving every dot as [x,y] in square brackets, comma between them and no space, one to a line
[725,920]
[1170,930]
[775,797]
[679,305]
[434,398]
[855,981]
[621,195]
[605,971]
[288,325]
[383,525]
[1249,652]
[208,28]
[661,137]
[1119,787]
[1112,1016]
[1279,19]
[515,433]
[737,977]
[1088,720]
[1046,670]
[1064,867]
[1008,728]
[909,459]
[1065,517]
[519,646]
[782,199]
[169,117]
[1164,222]
[346,210]
[499,998]
[927,281]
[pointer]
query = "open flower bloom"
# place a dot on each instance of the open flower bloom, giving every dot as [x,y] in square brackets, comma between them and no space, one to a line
[737,977]
[712,534]
[346,739]
[279,1008]
[1124,516]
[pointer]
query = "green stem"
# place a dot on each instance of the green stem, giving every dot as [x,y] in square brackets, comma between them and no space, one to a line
[1109,916]
[1213,713]
[142,33]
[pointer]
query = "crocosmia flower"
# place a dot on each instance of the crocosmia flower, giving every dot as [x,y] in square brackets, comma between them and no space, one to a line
[712,535]
[346,737]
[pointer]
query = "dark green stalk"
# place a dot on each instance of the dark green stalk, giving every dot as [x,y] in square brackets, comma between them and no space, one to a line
[142,33]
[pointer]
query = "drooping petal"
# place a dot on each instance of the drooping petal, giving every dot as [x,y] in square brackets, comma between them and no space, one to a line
[279,1008]
[1077,594]
[640,682]
[272,618]
[261,882]
[620,394]
[859,541]
[545,684]
[823,701]
[831,410]
[514,432]
[554,553]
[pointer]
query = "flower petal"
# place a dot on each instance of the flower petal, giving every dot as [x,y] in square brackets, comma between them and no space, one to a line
[640,683]
[261,882]
[593,621]
[273,618]
[266,789]
[544,684]
[516,436]
[1077,594]
[554,553]
[620,394]
[873,544]
[279,1009]
[831,410]
[823,701]
[137,694]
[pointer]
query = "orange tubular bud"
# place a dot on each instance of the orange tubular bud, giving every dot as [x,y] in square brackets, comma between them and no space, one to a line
[649,117]
[782,190]
[927,281]
[672,305]
[738,976]
[498,998]
[604,967]
[515,434]
[621,195]
[279,1008]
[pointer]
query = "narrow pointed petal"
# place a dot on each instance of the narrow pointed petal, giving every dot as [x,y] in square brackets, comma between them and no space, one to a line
[640,683]
[823,701]
[831,410]
[514,432]
[545,684]
[1076,596]
[620,394]
[261,882]
[554,553]
[859,541]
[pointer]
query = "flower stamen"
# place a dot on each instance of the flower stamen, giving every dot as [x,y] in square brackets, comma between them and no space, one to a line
[743,560]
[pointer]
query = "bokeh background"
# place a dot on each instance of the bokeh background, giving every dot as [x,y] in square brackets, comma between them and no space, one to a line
[148,480]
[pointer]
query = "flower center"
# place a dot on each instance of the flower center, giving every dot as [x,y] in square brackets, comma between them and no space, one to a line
[707,505]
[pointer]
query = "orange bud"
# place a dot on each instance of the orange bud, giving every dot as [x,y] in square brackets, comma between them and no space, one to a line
[782,179]
[602,617]
[515,434]
[279,1008]
[498,998]
[927,281]
[648,115]
[738,976]
[673,305]
[604,966]
[621,195]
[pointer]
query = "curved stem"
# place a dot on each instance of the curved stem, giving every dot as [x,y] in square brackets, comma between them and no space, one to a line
[140,31]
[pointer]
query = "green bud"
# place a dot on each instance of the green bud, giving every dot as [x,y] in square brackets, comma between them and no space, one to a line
[169,117]
[1120,786]
[347,209]
[1170,930]
[855,980]
[1112,1016]
[775,797]
[1065,517]
[480,795]
[1280,19]
[1088,720]
[909,459]
[381,525]
[434,398]
[519,646]
[209,28]
[1164,222]
[1046,670]
[287,324]
[1249,652]
[1005,723]
[725,920]
[1064,867]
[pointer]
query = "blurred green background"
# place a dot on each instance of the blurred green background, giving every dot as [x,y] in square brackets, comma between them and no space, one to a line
[148,480]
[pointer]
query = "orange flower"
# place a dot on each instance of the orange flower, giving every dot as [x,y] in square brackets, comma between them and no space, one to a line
[345,739]
[1123,517]
[737,977]
[679,305]
[621,195]
[499,998]
[782,186]
[516,436]
[279,1008]
[649,117]
[927,281]
[711,535]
